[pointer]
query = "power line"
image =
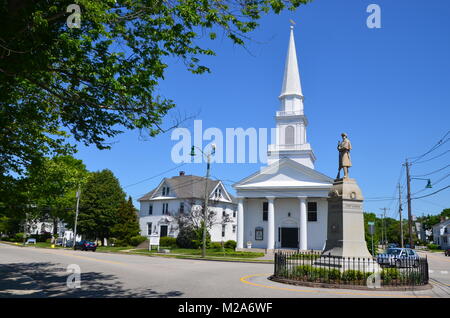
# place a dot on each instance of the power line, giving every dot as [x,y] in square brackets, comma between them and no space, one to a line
[157,175]
[442,189]
[440,155]
[437,145]
[427,174]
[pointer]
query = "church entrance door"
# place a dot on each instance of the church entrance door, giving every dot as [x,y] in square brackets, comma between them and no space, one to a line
[289,237]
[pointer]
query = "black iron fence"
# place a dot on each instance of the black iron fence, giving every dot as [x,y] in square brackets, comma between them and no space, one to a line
[315,267]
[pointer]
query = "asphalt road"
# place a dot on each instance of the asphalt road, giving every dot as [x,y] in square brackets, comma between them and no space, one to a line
[36,272]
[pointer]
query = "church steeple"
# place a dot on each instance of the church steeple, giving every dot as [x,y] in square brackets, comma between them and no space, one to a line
[290,119]
[291,79]
[291,96]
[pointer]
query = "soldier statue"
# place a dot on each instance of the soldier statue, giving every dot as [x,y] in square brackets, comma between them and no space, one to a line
[345,162]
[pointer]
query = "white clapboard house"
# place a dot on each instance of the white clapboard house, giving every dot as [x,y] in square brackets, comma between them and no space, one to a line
[183,194]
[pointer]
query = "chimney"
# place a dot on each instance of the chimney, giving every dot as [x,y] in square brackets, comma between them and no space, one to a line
[181,173]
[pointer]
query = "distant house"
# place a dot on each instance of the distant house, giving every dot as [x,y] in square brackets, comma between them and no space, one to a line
[41,226]
[183,194]
[441,234]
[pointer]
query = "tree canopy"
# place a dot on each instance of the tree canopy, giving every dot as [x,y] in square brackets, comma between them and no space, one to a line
[101,199]
[96,79]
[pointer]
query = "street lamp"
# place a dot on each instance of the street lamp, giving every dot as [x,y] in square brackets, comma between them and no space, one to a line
[205,210]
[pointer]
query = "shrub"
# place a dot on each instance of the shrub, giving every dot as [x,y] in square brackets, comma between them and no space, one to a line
[432,246]
[49,240]
[185,238]
[18,237]
[354,275]
[389,274]
[120,243]
[168,242]
[216,245]
[230,244]
[136,240]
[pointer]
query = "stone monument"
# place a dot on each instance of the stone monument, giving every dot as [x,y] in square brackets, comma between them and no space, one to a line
[345,231]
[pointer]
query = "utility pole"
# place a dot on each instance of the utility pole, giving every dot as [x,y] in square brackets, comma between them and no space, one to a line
[384,226]
[400,212]
[205,212]
[76,217]
[408,187]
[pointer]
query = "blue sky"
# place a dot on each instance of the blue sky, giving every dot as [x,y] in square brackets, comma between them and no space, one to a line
[388,88]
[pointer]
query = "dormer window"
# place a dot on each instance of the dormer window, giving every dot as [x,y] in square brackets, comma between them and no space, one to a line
[165,191]
[218,193]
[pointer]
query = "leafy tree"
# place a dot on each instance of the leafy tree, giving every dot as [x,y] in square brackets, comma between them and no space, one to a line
[94,80]
[52,186]
[101,199]
[127,225]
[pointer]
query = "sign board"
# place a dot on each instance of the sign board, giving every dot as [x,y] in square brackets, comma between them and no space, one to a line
[371,227]
[154,241]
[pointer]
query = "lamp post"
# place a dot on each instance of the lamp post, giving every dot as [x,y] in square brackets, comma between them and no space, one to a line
[76,218]
[205,210]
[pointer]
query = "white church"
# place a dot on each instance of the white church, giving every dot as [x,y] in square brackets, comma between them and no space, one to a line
[284,205]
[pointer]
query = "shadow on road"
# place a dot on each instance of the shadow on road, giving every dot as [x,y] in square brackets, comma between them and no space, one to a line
[49,280]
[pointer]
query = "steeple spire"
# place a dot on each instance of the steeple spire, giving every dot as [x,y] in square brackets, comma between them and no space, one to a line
[291,79]
[291,141]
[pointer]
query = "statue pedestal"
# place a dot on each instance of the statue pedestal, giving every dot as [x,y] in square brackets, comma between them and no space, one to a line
[345,233]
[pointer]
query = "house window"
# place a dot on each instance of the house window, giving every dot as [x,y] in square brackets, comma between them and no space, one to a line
[224,214]
[181,207]
[218,192]
[223,230]
[167,190]
[259,234]
[234,213]
[445,239]
[164,191]
[149,229]
[312,211]
[165,208]
[234,228]
[150,209]
[265,210]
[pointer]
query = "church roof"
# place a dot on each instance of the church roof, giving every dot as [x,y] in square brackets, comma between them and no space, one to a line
[291,79]
[285,173]
[186,187]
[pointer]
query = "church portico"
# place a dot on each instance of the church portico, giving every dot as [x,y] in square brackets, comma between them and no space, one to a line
[271,222]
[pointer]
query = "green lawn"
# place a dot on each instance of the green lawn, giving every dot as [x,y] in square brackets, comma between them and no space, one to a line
[230,253]
[113,248]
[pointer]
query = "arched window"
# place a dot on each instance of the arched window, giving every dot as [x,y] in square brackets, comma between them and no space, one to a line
[289,135]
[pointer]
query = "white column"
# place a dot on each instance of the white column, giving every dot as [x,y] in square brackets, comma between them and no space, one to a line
[271,225]
[240,223]
[303,224]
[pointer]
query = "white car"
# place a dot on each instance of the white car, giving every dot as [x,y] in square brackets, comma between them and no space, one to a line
[399,257]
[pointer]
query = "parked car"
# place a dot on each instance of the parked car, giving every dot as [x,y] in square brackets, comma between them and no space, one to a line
[447,251]
[398,257]
[392,245]
[85,246]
